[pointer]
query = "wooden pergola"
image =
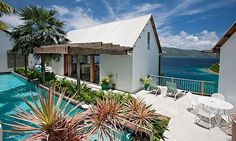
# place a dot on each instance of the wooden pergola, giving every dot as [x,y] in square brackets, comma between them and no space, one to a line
[81,49]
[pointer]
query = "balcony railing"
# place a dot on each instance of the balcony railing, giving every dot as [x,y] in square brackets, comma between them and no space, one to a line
[195,86]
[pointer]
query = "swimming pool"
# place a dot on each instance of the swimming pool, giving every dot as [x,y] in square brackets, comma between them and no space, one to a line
[12,89]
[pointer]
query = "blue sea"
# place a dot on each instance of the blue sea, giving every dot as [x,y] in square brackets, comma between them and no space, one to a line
[189,68]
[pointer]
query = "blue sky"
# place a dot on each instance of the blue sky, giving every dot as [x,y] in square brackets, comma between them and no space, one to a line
[186,24]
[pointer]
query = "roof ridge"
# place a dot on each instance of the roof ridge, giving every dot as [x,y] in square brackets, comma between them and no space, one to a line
[114,21]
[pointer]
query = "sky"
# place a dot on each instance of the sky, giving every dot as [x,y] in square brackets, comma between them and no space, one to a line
[184,24]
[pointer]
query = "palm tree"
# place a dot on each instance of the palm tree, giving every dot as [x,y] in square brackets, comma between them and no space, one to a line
[40,28]
[4,9]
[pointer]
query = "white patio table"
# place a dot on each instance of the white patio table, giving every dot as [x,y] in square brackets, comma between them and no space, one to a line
[217,104]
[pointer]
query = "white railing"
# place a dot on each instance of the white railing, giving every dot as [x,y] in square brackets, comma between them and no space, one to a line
[195,86]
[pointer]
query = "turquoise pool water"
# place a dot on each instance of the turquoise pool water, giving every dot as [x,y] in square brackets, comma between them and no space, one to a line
[12,89]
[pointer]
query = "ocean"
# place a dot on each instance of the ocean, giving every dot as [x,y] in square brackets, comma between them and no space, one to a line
[189,68]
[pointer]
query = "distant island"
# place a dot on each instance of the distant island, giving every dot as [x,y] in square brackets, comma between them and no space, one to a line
[214,68]
[175,52]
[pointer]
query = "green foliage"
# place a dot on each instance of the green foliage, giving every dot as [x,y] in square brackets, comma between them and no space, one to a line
[159,127]
[119,97]
[5,9]
[146,81]
[86,95]
[215,67]
[108,82]
[48,76]
[20,71]
[59,85]
[32,74]
[104,80]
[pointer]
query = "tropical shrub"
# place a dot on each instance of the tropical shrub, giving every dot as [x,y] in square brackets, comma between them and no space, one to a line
[20,71]
[107,83]
[32,74]
[49,76]
[158,128]
[60,85]
[146,82]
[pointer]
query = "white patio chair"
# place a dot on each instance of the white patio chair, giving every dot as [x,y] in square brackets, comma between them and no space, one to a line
[218,95]
[193,100]
[154,88]
[226,122]
[172,90]
[205,112]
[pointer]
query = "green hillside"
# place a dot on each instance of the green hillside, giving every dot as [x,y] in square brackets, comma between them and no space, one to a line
[174,52]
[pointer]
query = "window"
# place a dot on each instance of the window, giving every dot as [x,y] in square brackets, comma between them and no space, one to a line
[148,40]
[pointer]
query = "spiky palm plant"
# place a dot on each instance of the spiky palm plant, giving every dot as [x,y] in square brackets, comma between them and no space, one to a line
[104,118]
[139,113]
[48,119]
[4,9]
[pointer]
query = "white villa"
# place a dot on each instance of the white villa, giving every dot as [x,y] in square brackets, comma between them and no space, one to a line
[227,75]
[7,58]
[138,33]
[4,47]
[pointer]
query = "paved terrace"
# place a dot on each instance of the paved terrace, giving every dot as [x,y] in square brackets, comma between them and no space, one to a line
[181,126]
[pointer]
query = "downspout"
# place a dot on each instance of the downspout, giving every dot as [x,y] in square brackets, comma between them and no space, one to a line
[159,63]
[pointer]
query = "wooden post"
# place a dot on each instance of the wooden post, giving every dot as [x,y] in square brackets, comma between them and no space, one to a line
[43,67]
[84,59]
[14,61]
[69,65]
[202,90]
[25,61]
[78,73]
[92,68]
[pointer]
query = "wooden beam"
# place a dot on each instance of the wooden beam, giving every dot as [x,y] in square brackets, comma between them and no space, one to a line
[92,68]
[51,50]
[78,73]
[89,51]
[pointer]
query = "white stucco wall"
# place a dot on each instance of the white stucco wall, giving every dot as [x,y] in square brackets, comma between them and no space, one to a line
[227,75]
[32,61]
[121,68]
[5,45]
[145,61]
[58,66]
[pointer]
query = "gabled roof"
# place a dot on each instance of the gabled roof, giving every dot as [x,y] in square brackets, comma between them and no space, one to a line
[123,32]
[226,36]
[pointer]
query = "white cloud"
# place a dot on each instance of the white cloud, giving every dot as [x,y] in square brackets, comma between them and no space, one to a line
[76,18]
[109,8]
[200,41]
[78,1]
[11,20]
[141,9]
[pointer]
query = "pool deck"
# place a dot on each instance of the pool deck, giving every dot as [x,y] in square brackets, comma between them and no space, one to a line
[181,126]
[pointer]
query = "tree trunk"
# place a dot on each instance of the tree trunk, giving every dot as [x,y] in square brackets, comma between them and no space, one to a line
[14,61]
[25,64]
[78,73]
[43,68]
